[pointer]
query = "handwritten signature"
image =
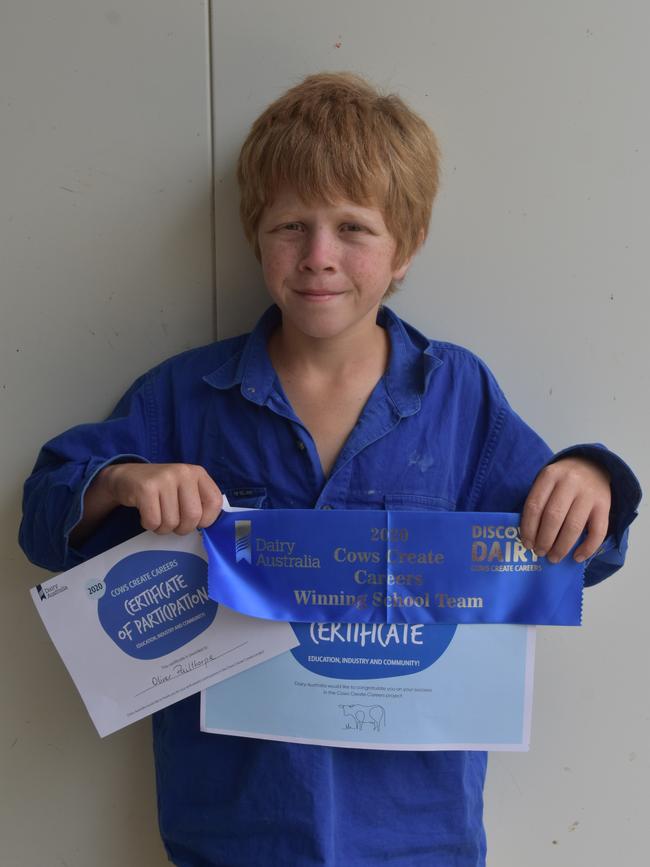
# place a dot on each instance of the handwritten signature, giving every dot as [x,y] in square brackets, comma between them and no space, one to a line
[182,668]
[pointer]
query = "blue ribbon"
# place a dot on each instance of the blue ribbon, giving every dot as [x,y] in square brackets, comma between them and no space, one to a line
[387,567]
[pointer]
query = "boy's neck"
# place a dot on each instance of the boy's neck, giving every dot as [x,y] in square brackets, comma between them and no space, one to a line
[328,381]
[292,351]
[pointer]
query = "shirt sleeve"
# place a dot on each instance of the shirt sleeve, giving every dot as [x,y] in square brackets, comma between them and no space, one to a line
[514,455]
[66,466]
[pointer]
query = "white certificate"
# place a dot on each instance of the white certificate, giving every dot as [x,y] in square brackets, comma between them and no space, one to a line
[386,687]
[137,631]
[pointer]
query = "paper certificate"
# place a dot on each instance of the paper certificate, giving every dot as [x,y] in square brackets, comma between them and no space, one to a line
[386,686]
[137,631]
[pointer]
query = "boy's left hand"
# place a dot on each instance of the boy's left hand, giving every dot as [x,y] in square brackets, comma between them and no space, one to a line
[567,497]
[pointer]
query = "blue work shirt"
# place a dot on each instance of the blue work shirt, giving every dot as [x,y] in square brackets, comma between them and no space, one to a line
[436,434]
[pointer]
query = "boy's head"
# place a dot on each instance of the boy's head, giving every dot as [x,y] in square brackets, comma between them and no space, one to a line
[333,137]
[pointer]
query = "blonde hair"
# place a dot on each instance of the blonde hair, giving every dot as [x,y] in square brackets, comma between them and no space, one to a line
[334,136]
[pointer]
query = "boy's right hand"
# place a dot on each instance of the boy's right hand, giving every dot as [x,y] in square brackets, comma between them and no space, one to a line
[171,498]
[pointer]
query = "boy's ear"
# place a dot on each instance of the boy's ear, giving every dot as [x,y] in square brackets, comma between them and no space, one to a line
[400,273]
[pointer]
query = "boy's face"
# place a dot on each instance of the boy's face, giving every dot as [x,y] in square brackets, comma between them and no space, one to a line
[327,267]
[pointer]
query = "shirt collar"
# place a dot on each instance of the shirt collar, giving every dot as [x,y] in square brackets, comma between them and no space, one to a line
[251,368]
[411,363]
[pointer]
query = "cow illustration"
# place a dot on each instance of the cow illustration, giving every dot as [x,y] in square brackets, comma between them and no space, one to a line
[365,714]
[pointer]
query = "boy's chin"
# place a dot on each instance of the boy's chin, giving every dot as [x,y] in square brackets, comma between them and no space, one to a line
[328,327]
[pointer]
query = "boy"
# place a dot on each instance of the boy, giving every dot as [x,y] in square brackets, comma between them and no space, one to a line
[331,402]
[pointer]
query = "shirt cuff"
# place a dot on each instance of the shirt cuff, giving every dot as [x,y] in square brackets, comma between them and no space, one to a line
[626,490]
[626,495]
[93,468]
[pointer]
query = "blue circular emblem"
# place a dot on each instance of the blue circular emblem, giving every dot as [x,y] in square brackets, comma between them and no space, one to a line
[154,602]
[365,651]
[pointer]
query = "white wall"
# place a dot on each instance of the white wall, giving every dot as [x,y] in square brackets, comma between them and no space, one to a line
[105,269]
[535,261]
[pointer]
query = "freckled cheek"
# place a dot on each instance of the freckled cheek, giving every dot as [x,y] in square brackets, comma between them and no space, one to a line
[361,267]
[275,267]
[371,267]
[368,273]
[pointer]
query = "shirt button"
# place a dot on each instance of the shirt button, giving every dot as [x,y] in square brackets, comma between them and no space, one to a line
[300,445]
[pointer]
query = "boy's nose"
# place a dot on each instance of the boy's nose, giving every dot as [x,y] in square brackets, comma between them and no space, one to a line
[318,253]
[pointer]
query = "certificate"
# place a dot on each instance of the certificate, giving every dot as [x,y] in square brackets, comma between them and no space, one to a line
[386,686]
[137,631]
[414,629]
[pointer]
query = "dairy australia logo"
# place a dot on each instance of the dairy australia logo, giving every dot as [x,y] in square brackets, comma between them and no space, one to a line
[243,541]
[498,548]
[50,590]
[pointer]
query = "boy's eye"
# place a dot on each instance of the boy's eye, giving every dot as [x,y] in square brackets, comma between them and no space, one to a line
[297,226]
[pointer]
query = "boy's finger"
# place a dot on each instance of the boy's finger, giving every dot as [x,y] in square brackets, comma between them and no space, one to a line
[598,525]
[191,509]
[169,510]
[534,508]
[555,512]
[571,530]
[150,514]
[211,501]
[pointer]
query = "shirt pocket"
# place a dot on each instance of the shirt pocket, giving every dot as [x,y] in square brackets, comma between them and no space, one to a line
[411,502]
[247,498]
[404,501]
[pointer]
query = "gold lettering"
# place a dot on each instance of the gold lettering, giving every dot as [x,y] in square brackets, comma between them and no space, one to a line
[443,600]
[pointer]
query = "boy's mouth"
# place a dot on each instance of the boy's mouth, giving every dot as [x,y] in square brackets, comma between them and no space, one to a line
[317,294]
